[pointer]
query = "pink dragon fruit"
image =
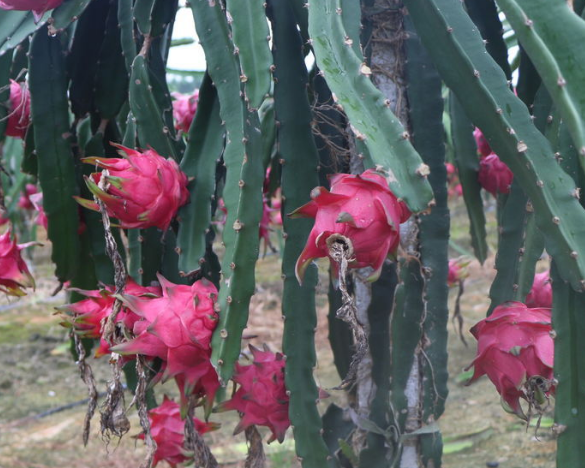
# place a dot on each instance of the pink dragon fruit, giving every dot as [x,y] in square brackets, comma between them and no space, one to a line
[38,7]
[494,175]
[87,316]
[457,271]
[516,351]
[19,112]
[168,431]
[25,201]
[454,188]
[184,109]
[362,209]
[14,274]
[142,189]
[261,397]
[42,220]
[276,204]
[483,147]
[176,328]
[541,293]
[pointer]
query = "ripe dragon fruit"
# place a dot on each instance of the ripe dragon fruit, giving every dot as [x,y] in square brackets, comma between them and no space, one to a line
[541,293]
[37,201]
[38,7]
[25,201]
[177,328]
[168,431]
[454,188]
[261,397]
[142,189]
[483,147]
[184,109]
[494,175]
[516,351]
[14,274]
[87,316]
[19,111]
[359,207]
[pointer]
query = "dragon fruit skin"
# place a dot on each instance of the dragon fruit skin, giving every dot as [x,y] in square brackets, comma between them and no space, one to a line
[25,201]
[483,147]
[143,189]
[359,207]
[184,110]
[167,429]
[19,112]
[176,328]
[261,398]
[541,293]
[14,273]
[494,175]
[38,7]
[87,316]
[457,271]
[514,344]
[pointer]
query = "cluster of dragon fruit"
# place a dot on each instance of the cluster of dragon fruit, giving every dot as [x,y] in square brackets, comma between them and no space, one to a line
[173,324]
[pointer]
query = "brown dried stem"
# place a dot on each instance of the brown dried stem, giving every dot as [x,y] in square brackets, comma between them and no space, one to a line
[89,380]
[256,457]
[194,442]
[341,250]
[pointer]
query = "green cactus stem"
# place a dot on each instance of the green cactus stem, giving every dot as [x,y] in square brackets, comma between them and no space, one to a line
[372,121]
[48,87]
[425,111]
[299,160]
[243,186]
[446,30]
[467,163]
[126,33]
[250,34]
[557,54]
[206,141]
[568,322]
[111,81]
[16,26]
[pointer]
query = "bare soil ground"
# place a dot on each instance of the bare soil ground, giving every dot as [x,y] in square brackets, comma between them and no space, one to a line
[37,374]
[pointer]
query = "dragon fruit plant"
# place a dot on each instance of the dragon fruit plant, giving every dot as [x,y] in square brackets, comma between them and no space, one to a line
[167,427]
[362,209]
[19,110]
[184,109]
[176,328]
[540,294]
[15,276]
[97,73]
[516,351]
[457,271]
[87,317]
[141,189]
[261,397]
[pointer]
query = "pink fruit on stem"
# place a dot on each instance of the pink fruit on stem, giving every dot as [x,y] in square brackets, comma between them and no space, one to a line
[87,316]
[38,7]
[184,109]
[168,431]
[19,111]
[141,189]
[360,208]
[14,274]
[261,398]
[457,271]
[516,351]
[37,202]
[483,147]
[541,293]
[25,201]
[176,328]
[494,175]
